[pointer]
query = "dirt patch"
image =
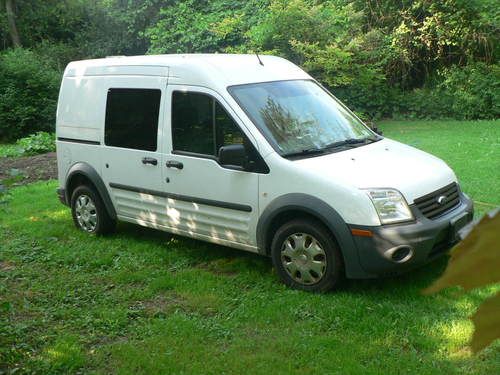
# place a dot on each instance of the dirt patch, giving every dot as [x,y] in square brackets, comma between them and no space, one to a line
[163,303]
[160,305]
[221,268]
[27,169]
[167,303]
[7,266]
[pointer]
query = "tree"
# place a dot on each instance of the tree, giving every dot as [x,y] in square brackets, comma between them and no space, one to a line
[11,18]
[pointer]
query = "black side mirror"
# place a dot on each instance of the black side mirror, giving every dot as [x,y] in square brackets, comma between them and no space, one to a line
[233,157]
[374,127]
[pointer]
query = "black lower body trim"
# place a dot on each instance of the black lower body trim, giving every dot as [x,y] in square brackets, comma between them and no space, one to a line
[74,140]
[426,239]
[185,198]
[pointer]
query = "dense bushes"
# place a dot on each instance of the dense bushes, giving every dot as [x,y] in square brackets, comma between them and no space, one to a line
[410,58]
[464,93]
[474,90]
[28,94]
[415,59]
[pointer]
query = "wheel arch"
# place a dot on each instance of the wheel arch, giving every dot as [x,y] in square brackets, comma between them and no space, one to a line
[290,206]
[82,173]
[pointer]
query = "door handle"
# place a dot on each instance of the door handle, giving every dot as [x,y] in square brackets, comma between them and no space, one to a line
[174,164]
[148,160]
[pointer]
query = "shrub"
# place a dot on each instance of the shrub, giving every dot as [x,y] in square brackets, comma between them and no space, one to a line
[37,143]
[9,150]
[28,94]
[474,90]
[464,93]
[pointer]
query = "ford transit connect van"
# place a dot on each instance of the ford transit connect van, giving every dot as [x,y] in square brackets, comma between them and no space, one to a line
[252,153]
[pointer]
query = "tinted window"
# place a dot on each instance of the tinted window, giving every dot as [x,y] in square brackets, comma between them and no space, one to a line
[192,123]
[228,133]
[132,118]
[201,125]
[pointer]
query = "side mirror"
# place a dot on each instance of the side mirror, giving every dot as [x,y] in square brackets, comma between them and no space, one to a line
[233,157]
[374,127]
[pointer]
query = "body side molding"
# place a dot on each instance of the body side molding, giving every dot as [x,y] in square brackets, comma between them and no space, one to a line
[185,198]
[74,140]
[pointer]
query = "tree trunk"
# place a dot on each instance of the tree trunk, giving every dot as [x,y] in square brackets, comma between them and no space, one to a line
[11,18]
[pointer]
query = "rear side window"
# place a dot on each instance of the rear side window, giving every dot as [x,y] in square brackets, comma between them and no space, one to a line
[201,125]
[132,118]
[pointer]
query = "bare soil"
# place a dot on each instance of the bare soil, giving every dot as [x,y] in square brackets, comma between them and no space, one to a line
[27,169]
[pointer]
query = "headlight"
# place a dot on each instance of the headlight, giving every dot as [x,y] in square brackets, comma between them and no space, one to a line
[390,205]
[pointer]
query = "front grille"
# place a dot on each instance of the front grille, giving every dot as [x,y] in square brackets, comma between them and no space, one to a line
[430,206]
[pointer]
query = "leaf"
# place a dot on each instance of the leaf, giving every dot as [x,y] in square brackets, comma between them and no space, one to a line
[475,261]
[487,323]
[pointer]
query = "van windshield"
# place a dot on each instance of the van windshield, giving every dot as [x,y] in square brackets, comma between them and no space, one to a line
[299,117]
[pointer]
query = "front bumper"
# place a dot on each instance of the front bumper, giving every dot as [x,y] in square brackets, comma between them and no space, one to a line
[397,248]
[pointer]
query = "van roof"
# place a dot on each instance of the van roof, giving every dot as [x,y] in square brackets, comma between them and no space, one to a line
[193,69]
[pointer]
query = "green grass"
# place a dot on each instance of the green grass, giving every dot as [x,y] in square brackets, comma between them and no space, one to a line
[142,301]
[471,148]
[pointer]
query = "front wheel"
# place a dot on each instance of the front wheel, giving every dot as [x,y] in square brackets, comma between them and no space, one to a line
[89,213]
[306,256]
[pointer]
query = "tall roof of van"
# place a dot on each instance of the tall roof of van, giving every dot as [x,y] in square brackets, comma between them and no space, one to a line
[193,69]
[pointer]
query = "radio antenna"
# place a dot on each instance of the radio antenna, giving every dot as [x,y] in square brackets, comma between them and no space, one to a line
[260,61]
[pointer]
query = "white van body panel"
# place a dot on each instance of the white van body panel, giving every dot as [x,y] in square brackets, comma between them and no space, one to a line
[207,201]
[217,71]
[80,114]
[289,177]
[383,164]
[213,71]
[335,178]
[124,165]
[81,108]
[204,177]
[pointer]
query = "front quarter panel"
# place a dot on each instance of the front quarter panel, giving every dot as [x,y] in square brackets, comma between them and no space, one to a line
[289,187]
[287,177]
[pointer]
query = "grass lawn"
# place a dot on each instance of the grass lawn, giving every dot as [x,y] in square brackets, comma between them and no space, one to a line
[142,301]
[471,148]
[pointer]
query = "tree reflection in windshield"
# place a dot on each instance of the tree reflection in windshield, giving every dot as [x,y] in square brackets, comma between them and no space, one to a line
[288,130]
[298,115]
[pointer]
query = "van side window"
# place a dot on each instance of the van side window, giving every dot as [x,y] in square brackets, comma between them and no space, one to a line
[201,125]
[192,123]
[228,133]
[132,118]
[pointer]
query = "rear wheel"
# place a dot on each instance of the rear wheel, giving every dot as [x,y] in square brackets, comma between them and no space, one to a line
[306,256]
[89,212]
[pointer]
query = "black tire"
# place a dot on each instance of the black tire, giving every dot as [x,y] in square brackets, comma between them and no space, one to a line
[104,224]
[330,257]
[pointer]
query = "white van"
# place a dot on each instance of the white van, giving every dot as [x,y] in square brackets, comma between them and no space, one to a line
[249,152]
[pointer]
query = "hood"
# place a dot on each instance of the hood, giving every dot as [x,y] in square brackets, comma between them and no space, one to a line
[384,164]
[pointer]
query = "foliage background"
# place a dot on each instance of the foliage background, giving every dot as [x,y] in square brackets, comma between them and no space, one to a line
[383,58]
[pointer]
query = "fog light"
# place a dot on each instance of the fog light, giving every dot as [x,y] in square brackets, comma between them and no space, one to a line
[399,254]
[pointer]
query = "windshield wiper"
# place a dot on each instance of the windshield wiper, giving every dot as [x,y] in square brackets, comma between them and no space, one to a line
[350,142]
[305,152]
